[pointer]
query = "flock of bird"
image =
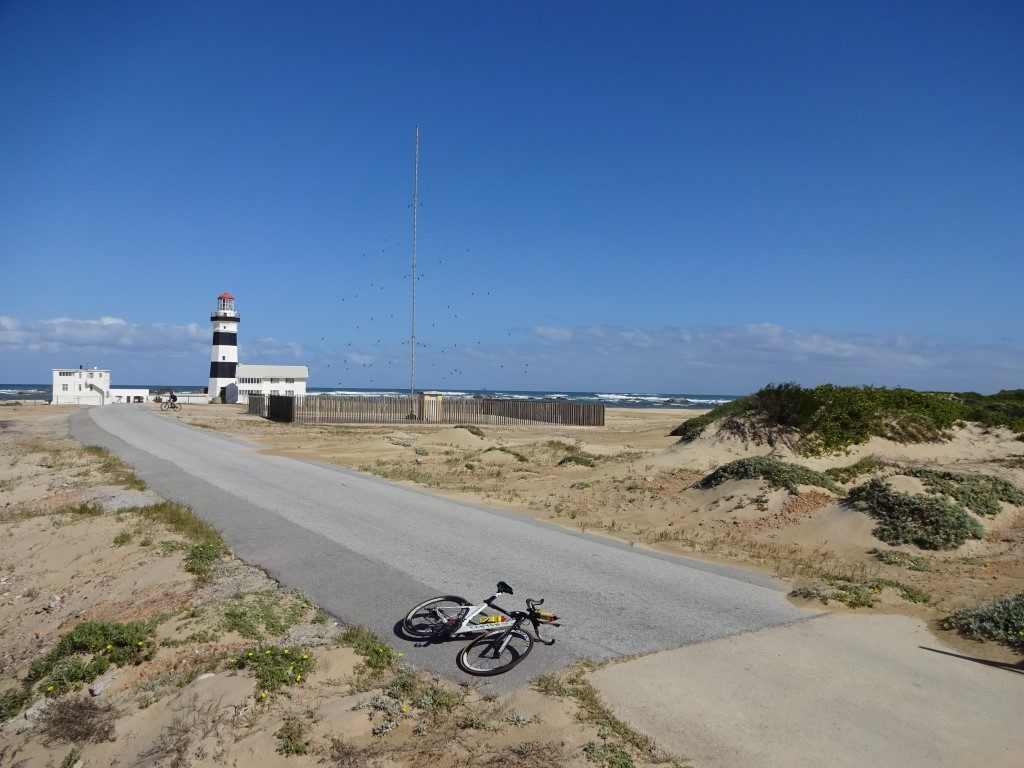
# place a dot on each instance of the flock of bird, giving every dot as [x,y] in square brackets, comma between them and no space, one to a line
[365,339]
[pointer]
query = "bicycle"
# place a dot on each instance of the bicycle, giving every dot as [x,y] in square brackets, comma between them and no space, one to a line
[170,405]
[502,642]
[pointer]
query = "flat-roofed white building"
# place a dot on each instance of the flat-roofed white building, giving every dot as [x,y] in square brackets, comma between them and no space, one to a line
[269,380]
[91,386]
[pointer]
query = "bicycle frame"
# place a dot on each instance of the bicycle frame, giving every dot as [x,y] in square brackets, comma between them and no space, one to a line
[469,628]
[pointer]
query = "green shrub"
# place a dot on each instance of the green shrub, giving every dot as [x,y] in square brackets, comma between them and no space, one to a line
[777,474]
[376,653]
[1003,409]
[866,466]
[858,594]
[578,458]
[929,522]
[202,557]
[290,737]
[254,614]
[12,701]
[1002,621]
[902,559]
[122,538]
[693,428]
[829,419]
[109,642]
[275,667]
[979,493]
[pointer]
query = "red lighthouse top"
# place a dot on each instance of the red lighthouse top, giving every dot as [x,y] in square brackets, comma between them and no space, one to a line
[227,296]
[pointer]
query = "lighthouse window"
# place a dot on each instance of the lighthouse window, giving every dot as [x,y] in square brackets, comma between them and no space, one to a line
[223,357]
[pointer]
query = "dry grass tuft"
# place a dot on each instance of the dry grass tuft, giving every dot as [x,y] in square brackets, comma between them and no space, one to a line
[78,721]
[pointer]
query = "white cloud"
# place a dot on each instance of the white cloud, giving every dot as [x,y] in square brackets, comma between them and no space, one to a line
[552,333]
[268,349]
[103,335]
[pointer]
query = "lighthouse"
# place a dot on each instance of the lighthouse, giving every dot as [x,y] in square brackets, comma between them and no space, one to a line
[224,355]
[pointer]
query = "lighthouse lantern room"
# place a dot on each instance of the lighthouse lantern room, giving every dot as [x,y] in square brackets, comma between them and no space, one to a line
[224,354]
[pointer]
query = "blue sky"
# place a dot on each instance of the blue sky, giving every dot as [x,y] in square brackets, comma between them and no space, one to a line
[663,197]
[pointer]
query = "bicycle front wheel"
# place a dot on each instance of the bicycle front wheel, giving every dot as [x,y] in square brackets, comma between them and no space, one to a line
[436,616]
[175,406]
[495,652]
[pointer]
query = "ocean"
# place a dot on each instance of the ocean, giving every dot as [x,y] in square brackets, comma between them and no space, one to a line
[611,399]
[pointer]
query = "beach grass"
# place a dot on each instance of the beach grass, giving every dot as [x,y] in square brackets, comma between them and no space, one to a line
[830,418]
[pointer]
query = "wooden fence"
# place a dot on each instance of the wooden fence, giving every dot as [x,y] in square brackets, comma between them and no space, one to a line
[327,409]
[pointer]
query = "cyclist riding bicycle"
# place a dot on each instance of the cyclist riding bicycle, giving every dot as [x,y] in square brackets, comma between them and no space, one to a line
[172,397]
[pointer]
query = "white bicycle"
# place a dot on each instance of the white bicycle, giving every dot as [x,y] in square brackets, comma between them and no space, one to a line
[501,643]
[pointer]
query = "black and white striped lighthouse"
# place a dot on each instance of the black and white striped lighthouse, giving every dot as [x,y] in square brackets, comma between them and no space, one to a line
[224,357]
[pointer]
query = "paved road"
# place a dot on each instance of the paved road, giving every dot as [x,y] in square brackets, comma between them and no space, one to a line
[367,550]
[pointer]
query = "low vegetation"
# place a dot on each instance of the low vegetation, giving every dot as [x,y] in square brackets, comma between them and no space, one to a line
[979,493]
[927,521]
[118,473]
[777,474]
[617,737]
[1002,621]
[12,701]
[78,721]
[178,518]
[830,419]
[261,613]
[858,594]
[901,559]
[869,465]
[274,667]
[375,652]
[107,643]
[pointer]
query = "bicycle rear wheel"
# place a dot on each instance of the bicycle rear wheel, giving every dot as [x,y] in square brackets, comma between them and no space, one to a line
[164,406]
[495,652]
[434,617]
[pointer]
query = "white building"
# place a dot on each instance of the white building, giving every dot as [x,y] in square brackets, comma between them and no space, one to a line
[91,386]
[269,380]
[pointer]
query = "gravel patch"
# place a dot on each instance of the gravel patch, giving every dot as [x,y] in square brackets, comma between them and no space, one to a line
[115,499]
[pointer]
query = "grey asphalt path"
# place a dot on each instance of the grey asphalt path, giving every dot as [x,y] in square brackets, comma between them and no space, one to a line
[367,550]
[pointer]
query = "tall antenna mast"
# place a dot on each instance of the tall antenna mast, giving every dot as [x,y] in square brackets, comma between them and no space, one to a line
[415,207]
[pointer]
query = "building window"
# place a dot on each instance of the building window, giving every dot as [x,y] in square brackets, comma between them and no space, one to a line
[275,392]
[63,387]
[289,391]
[289,381]
[79,387]
[65,373]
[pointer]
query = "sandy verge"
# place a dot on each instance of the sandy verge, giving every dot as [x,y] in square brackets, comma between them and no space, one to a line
[182,700]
